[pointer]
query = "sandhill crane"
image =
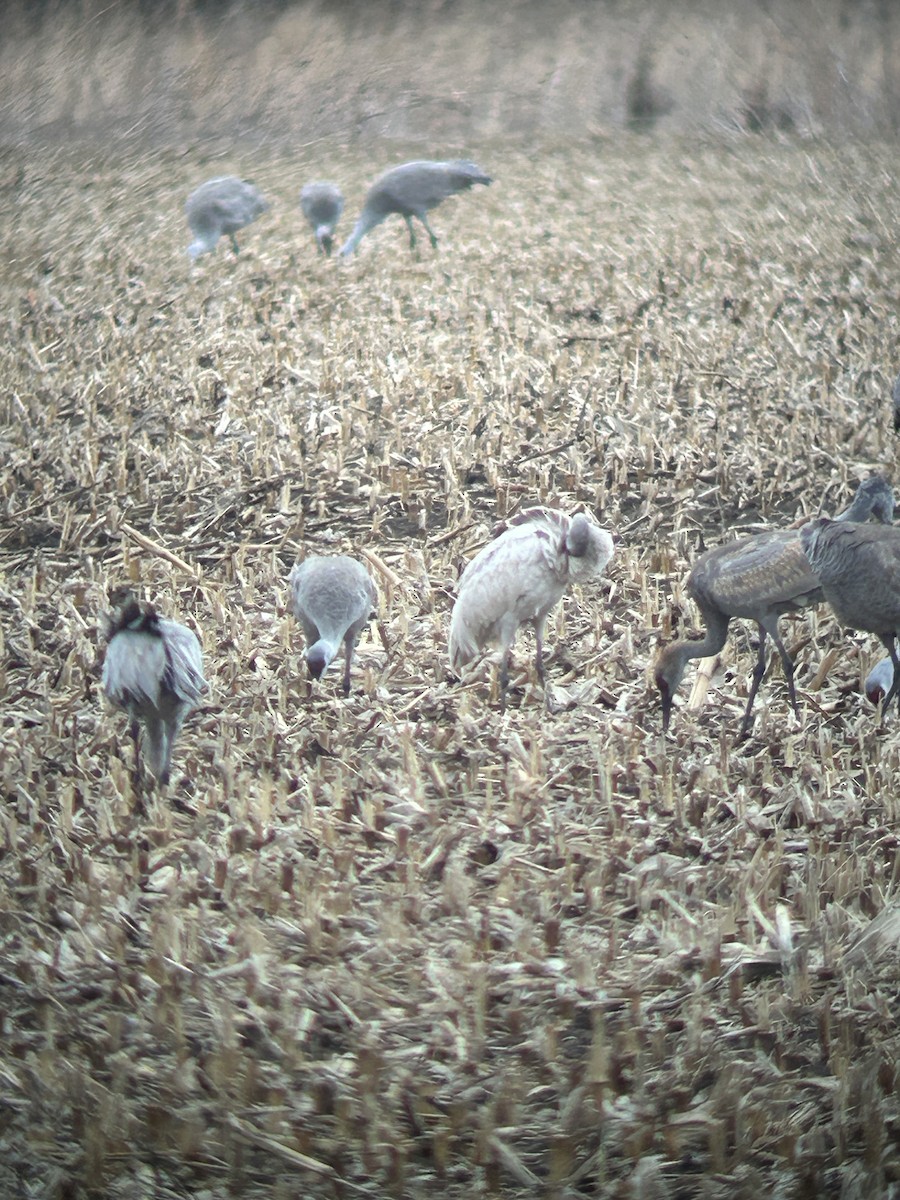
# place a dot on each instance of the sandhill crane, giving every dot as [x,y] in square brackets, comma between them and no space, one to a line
[411,190]
[219,207]
[859,569]
[332,598]
[519,577]
[879,680]
[759,577]
[153,669]
[322,205]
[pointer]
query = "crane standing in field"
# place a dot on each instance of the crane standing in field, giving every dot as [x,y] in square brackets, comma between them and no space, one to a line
[219,207]
[412,190]
[322,205]
[518,578]
[760,578]
[859,569]
[153,669]
[332,598]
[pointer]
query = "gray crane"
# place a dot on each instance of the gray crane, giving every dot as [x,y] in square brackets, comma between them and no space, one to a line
[332,597]
[219,207]
[322,204]
[412,190]
[879,680]
[153,669]
[519,577]
[759,578]
[859,569]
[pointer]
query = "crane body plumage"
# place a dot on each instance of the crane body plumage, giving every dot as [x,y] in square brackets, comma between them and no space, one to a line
[221,207]
[322,204]
[412,190]
[153,669]
[760,578]
[332,597]
[518,578]
[859,569]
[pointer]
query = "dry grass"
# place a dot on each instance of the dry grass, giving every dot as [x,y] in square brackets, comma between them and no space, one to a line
[293,71]
[398,945]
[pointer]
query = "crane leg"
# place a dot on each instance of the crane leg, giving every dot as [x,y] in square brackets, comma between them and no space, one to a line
[758,673]
[412,233]
[504,679]
[788,669]
[348,658]
[234,244]
[431,234]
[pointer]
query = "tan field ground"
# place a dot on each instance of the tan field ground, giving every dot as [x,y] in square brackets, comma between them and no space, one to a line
[400,944]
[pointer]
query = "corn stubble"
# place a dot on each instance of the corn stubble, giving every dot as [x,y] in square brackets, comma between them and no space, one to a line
[395,944]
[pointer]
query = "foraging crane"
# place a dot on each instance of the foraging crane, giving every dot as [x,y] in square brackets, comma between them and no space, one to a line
[332,598]
[219,207]
[411,190]
[518,578]
[859,569]
[759,577]
[322,205]
[879,680]
[153,669]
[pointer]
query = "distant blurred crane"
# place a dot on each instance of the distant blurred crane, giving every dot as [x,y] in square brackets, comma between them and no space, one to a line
[322,205]
[895,399]
[412,190]
[332,598]
[518,578]
[219,207]
[859,569]
[153,670]
[758,577]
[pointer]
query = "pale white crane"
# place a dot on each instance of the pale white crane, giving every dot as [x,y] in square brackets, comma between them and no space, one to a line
[332,597]
[322,204]
[221,207]
[153,669]
[518,578]
[412,190]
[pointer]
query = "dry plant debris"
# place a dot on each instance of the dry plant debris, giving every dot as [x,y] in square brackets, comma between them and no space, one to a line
[397,945]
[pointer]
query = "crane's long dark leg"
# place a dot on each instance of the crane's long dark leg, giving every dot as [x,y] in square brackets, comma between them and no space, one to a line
[758,672]
[504,678]
[787,664]
[234,244]
[432,235]
[349,643]
[412,232]
[890,643]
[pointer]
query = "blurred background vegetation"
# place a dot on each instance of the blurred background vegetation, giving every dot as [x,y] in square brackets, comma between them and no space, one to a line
[287,72]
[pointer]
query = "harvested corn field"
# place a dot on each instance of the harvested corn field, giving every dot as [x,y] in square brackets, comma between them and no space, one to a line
[400,944]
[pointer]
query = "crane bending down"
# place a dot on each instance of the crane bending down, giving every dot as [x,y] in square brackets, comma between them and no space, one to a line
[153,669]
[332,597]
[322,205]
[518,578]
[859,569]
[759,578]
[219,207]
[412,190]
